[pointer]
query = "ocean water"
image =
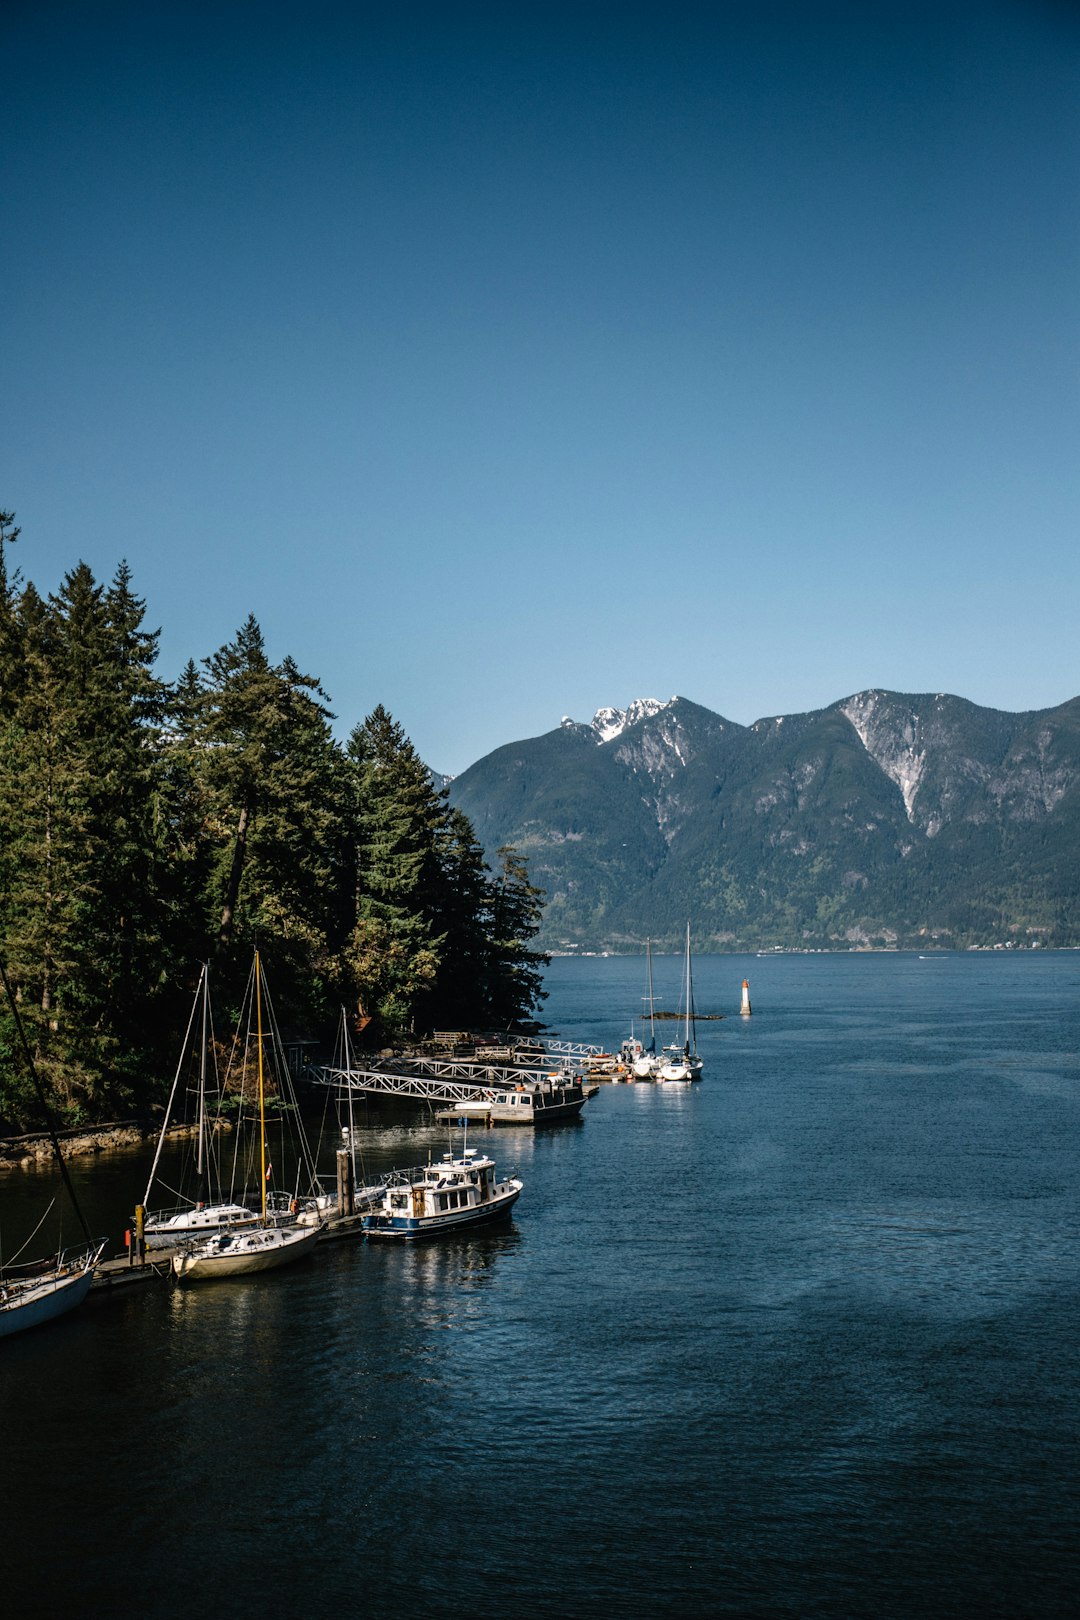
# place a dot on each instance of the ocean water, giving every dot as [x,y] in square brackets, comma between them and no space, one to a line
[799,1340]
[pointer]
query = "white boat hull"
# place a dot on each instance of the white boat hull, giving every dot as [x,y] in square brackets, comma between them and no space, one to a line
[169,1231]
[241,1253]
[28,1305]
[380,1225]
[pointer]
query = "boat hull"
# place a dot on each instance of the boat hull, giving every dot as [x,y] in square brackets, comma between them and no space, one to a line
[169,1232]
[409,1228]
[244,1254]
[497,1113]
[53,1297]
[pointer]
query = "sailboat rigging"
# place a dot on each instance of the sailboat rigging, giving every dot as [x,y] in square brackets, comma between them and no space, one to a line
[646,1064]
[682,1062]
[274,1238]
[208,1211]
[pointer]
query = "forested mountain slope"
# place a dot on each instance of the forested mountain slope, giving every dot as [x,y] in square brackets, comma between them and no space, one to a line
[885,818]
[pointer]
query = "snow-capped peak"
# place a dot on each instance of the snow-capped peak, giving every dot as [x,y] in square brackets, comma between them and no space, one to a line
[609,723]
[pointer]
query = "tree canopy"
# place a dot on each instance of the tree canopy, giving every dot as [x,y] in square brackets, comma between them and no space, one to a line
[147,826]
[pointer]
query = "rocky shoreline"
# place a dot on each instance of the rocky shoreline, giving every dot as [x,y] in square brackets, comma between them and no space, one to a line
[26,1152]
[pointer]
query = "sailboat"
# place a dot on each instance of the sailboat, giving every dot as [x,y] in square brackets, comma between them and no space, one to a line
[266,1244]
[681,1062]
[45,1289]
[207,1213]
[646,1063]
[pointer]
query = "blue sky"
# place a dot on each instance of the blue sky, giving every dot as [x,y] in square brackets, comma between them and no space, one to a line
[511,361]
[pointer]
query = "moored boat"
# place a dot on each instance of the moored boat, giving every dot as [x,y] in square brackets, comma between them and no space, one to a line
[33,1294]
[269,1243]
[530,1102]
[681,1061]
[443,1197]
[235,1254]
[47,1290]
[212,1208]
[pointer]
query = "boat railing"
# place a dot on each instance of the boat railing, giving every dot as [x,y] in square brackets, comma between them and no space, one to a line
[76,1258]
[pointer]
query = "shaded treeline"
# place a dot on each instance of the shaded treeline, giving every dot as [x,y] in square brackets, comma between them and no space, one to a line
[146,827]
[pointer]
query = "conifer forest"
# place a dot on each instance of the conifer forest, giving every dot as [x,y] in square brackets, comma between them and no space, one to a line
[149,826]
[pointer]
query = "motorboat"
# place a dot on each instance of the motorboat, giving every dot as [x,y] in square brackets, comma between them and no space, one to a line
[444,1197]
[529,1102]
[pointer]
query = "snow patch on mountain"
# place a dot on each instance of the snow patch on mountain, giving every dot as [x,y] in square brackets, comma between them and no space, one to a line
[610,723]
[900,754]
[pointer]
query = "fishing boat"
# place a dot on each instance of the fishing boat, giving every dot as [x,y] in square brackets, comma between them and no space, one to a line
[681,1061]
[38,1292]
[268,1243]
[444,1197]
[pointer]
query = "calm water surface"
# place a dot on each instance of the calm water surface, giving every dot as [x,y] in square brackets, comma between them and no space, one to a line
[797,1341]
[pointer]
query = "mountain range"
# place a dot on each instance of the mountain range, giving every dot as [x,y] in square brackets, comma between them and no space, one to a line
[886,819]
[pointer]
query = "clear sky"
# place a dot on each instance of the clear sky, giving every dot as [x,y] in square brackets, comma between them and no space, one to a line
[511,360]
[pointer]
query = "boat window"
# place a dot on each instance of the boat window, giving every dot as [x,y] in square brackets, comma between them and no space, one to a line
[526,1102]
[399,1201]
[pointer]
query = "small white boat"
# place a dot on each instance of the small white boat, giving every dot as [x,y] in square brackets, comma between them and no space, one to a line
[442,1197]
[679,1063]
[235,1254]
[48,1292]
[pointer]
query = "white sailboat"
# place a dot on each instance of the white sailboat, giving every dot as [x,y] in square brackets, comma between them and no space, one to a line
[647,1063]
[681,1062]
[207,1212]
[50,1289]
[33,1294]
[265,1245]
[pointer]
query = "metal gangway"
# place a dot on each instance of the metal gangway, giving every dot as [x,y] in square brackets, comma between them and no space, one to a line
[436,1080]
[574,1051]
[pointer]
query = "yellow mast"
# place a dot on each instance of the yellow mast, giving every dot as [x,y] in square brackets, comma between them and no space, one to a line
[262,1094]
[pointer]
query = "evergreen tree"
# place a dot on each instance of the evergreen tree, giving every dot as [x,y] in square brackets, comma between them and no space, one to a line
[76,803]
[517,909]
[462,995]
[395,950]
[274,789]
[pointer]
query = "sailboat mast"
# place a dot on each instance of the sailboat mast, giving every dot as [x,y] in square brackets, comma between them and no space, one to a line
[346,1053]
[686,1026]
[262,1089]
[200,1151]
